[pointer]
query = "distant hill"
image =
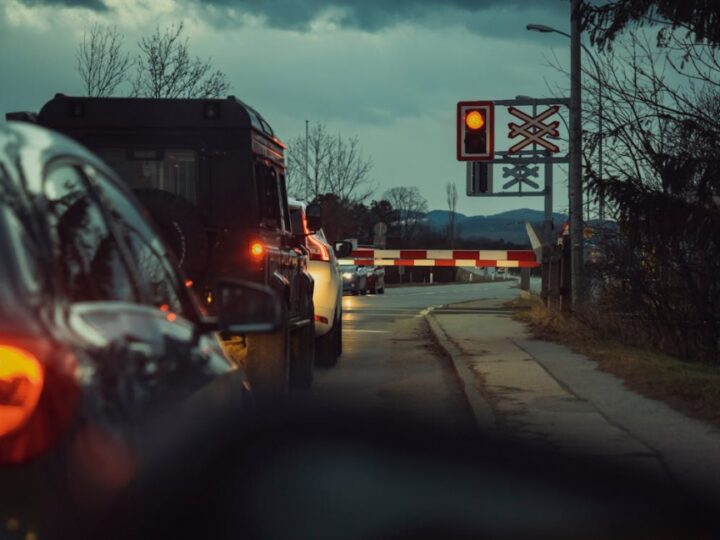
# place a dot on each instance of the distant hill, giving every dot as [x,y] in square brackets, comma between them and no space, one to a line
[508,226]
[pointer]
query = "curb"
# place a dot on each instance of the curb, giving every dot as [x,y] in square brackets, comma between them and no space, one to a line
[443,283]
[484,416]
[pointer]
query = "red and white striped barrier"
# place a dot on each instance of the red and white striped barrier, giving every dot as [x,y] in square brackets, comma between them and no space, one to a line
[442,257]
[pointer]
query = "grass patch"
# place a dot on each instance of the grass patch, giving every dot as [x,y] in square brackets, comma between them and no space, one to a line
[692,388]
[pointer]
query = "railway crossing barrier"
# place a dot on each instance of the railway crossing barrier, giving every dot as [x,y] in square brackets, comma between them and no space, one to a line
[443,258]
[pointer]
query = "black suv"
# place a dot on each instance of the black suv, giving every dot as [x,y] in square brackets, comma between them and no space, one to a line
[211,173]
[108,370]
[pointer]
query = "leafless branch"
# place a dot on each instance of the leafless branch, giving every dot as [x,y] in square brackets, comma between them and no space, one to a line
[101,63]
[410,207]
[165,69]
[323,163]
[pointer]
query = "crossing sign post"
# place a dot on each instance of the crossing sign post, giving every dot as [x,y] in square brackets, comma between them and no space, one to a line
[529,146]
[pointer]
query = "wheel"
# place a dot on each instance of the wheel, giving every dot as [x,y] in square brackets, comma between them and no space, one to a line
[381,290]
[363,291]
[181,226]
[326,347]
[373,291]
[302,354]
[354,292]
[267,365]
[339,334]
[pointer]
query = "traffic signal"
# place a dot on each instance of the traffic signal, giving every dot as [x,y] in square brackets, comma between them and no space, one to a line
[479,179]
[475,130]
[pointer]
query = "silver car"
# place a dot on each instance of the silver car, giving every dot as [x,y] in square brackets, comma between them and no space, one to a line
[354,279]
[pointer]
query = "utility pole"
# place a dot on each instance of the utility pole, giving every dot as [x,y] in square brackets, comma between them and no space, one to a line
[575,188]
[307,174]
[601,202]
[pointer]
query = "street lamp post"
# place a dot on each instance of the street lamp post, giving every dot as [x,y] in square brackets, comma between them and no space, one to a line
[575,194]
[307,166]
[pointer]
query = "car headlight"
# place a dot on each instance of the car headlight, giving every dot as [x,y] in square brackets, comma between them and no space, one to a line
[347,275]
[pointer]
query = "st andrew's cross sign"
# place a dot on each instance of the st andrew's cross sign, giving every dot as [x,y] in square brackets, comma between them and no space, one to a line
[528,132]
[534,129]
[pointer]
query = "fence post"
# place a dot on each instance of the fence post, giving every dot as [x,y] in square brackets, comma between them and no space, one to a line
[525,279]
[545,275]
[566,275]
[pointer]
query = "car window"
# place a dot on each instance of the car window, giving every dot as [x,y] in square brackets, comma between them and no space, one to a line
[269,197]
[160,282]
[284,204]
[296,220]
[87,256]
[171,170]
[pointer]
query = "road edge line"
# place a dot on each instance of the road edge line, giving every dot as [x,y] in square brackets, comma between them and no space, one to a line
[480,408]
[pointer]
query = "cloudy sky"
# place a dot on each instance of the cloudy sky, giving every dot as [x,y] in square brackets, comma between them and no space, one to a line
[388,71]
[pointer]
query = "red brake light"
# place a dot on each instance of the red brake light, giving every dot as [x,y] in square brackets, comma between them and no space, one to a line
[318,250]
[321,319]
[38,395]
[257,250]
[21,383]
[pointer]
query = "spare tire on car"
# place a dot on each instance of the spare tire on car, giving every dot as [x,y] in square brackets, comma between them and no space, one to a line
[181,225]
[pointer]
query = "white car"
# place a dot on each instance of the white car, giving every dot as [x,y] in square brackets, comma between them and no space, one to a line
[327,295]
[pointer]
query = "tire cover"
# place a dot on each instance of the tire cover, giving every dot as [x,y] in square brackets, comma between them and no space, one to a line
[181,227]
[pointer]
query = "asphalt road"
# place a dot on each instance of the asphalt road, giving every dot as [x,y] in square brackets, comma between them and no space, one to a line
[390,361]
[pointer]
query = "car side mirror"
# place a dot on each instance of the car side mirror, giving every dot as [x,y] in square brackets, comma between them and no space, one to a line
[247,308]
[313,215]
[342,249]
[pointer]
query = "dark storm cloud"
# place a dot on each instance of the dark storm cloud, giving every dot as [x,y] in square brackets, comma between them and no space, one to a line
[365,15]
[370,15]
[95,5]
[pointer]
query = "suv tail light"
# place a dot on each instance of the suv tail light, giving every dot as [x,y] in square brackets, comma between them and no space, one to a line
[318,250]
[257,250]
[37,398]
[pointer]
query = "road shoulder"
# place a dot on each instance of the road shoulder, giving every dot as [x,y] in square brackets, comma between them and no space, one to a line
[543,392]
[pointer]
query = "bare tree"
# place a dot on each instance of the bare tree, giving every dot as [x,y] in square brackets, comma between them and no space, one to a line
[452,196]
[306,163]
[101,63]
[323,163]
[347,170]
[410,207]
[165,69]
[661,181]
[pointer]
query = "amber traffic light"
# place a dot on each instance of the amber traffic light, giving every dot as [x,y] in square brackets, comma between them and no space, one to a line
[475,130]
[474,120]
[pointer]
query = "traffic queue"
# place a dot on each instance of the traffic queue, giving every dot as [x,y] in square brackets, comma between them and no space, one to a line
[124,278]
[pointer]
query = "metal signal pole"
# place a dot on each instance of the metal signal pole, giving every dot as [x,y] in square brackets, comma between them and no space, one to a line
[575,187]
